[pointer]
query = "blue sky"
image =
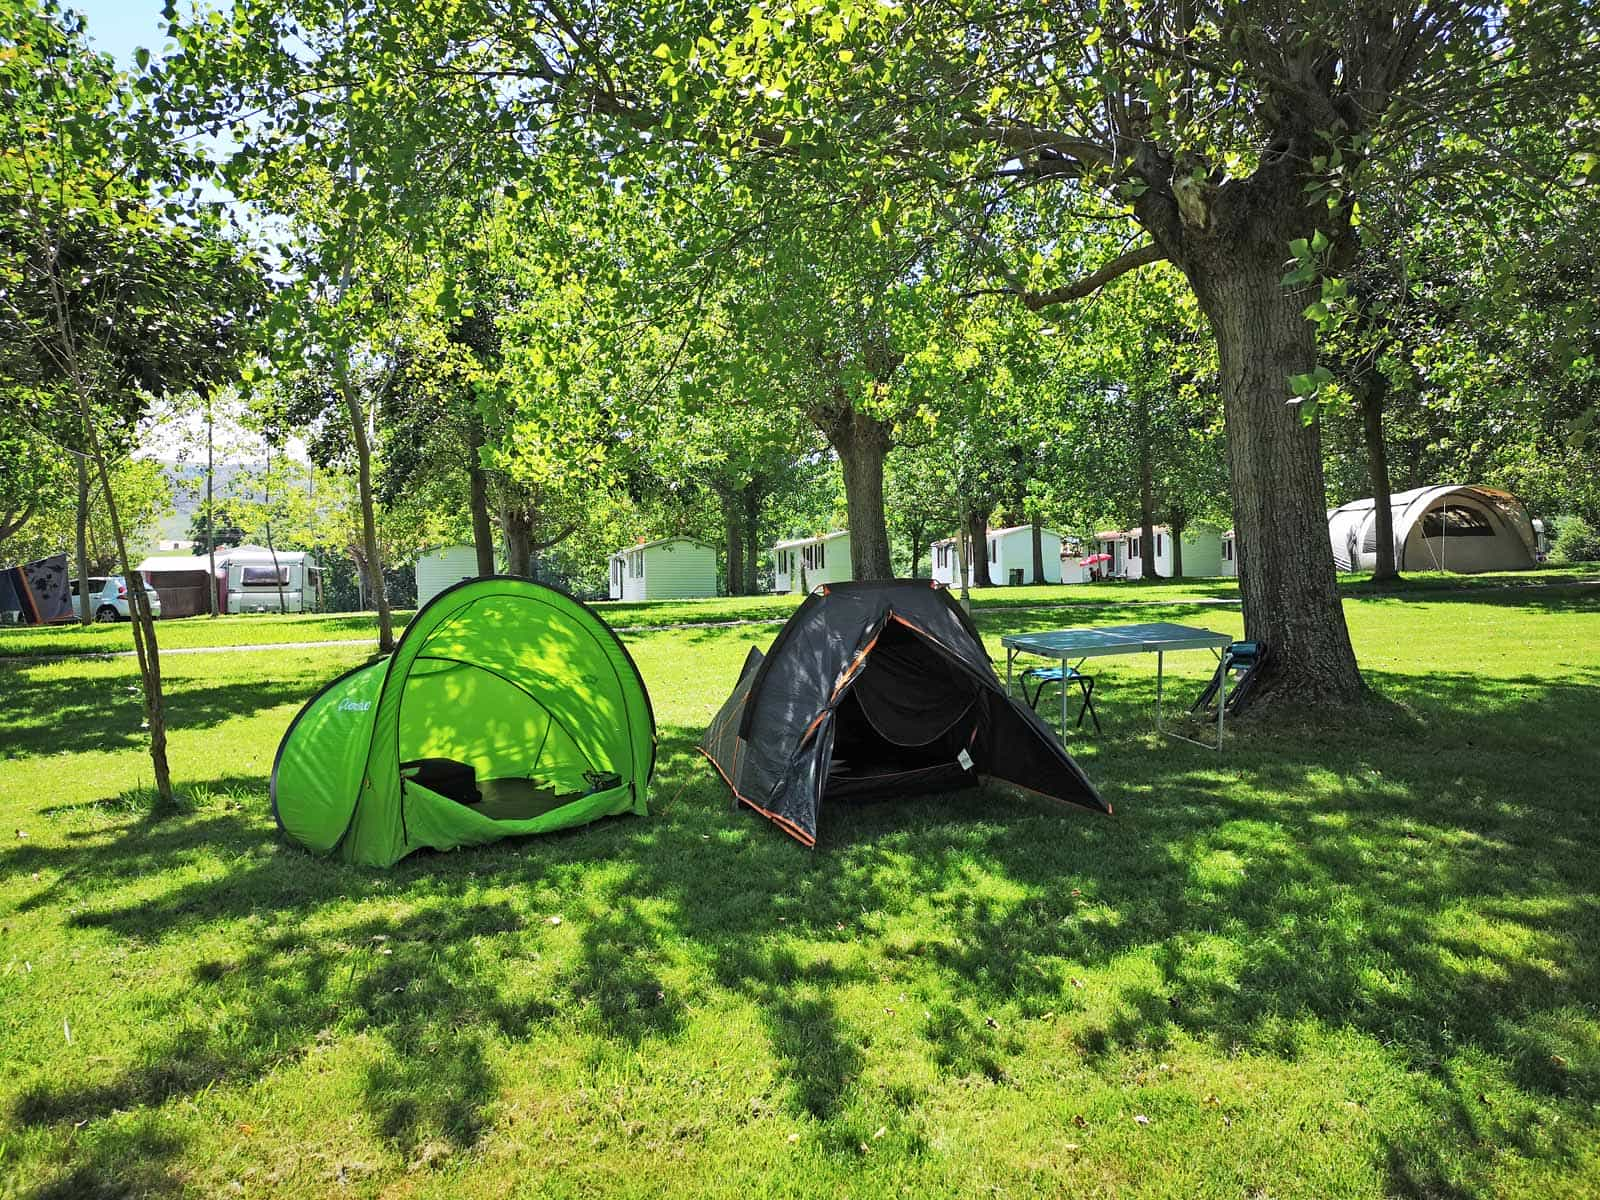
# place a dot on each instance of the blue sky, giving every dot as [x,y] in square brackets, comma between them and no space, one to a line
[121,26]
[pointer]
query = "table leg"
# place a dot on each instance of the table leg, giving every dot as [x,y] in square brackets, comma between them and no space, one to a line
[1222,702]
[1011,653]
[1063,705]
[1159,657]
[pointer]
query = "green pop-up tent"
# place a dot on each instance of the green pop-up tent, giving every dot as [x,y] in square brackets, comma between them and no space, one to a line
[507,708]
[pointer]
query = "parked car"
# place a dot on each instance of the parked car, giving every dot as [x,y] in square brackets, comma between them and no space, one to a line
[108,598]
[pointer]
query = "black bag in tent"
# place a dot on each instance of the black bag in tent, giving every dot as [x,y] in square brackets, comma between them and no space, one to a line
[876,690]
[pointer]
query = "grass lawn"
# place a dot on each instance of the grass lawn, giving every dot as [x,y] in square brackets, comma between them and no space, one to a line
[1351,962]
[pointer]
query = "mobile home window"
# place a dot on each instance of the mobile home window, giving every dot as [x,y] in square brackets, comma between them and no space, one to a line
[1227,549]
[1133,548]
[264,577]
[1158,545]
[994,549]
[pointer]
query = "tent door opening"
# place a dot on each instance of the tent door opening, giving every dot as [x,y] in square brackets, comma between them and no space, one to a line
[904,722]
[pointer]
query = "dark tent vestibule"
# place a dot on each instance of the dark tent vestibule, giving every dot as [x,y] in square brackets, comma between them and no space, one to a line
[878,690]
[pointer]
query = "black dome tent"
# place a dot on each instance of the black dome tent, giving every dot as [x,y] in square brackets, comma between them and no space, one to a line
[875,690]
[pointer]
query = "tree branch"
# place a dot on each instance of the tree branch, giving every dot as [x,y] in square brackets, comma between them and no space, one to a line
[1086,285]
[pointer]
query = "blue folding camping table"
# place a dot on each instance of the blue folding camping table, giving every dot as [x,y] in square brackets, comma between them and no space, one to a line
[1074,646]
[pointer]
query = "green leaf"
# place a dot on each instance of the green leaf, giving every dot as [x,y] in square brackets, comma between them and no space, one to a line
[1319,242]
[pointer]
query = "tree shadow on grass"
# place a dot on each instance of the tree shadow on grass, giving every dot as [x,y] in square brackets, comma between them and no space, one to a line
[1427,883]
[69,715]
[115,1163]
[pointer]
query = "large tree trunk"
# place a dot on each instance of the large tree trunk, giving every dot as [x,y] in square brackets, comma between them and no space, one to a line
[733,531]
[369,524]
[1147,495]
[1175,527]
[978,540]
[1038,550]
[861,443]
[478,495]
[517,523]
[752,529]
[1372,397]
[85,613]
[1286,577]
[517,527]
[916,550]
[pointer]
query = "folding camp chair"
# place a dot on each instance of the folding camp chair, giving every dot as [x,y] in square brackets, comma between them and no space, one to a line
[1061,676]
[1241,659]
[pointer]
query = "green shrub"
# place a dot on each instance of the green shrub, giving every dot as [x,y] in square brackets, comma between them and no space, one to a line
[1576,541]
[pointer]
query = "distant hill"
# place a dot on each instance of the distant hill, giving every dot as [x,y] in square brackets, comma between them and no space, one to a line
[188,483]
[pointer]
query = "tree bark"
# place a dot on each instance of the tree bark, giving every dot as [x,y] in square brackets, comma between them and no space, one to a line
[12,522]
[752,528]
[85,614]
[517,527]
[735,538]
[1038,550]
[145,649]
[277,571]
[963,555]
[1147,495]
[916,550]
[369,523]
[478,496]
[1372,398]
[861,442]
[978,539]
[1175,527]
[1286,577]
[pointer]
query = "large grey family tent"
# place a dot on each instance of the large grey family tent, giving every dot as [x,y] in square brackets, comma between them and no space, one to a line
[38,592]
[878,690]
[507,708]
[1446,527]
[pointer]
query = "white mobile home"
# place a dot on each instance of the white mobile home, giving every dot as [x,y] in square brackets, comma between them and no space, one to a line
[1072,568]
[1202,553]
[444,568]
[1443,528]
[674,568]
[1010,555]
[802,563]
[1113,542]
